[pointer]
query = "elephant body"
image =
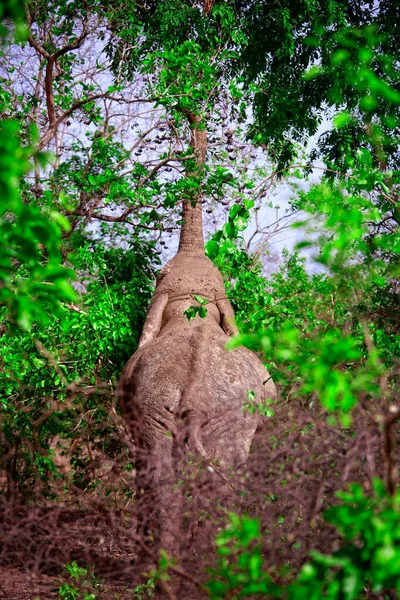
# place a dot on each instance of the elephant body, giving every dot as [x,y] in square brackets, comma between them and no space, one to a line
[183,385]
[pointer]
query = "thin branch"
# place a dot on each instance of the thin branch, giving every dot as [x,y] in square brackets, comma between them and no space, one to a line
[39,49]
[54,123]
[388,449]
[118,219]
[276,173]
[77,43]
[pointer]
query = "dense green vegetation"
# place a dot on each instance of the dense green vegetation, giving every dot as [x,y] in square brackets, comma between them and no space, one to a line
[95,161]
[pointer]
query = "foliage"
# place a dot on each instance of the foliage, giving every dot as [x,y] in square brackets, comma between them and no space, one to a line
[253,407]
[83,346]
[200,310]
[31,267]
[348,44]
[239,572]
[82,583]
[367,560]
[338,357]
[12,11]
[342,352]
[144,590]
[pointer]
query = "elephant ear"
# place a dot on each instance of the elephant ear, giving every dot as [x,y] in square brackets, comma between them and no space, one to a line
[154,317]
[227,317]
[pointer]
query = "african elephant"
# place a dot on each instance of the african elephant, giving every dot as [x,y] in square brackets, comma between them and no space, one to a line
[182,378]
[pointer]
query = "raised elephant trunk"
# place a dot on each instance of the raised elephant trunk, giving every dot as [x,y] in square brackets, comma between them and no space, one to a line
[191,238]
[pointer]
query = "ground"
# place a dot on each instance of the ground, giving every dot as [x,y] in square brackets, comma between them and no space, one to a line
[16,584]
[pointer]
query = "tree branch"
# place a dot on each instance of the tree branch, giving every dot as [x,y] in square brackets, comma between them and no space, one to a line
[388,449]
[50,133]
[117,219]
[32,42]
[77,43]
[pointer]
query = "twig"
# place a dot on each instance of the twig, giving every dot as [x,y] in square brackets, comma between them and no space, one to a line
[388,448]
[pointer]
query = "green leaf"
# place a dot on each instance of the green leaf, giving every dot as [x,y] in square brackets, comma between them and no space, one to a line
[212,249]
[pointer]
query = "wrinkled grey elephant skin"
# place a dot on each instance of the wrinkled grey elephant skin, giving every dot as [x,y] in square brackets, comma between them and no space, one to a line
[182,373]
